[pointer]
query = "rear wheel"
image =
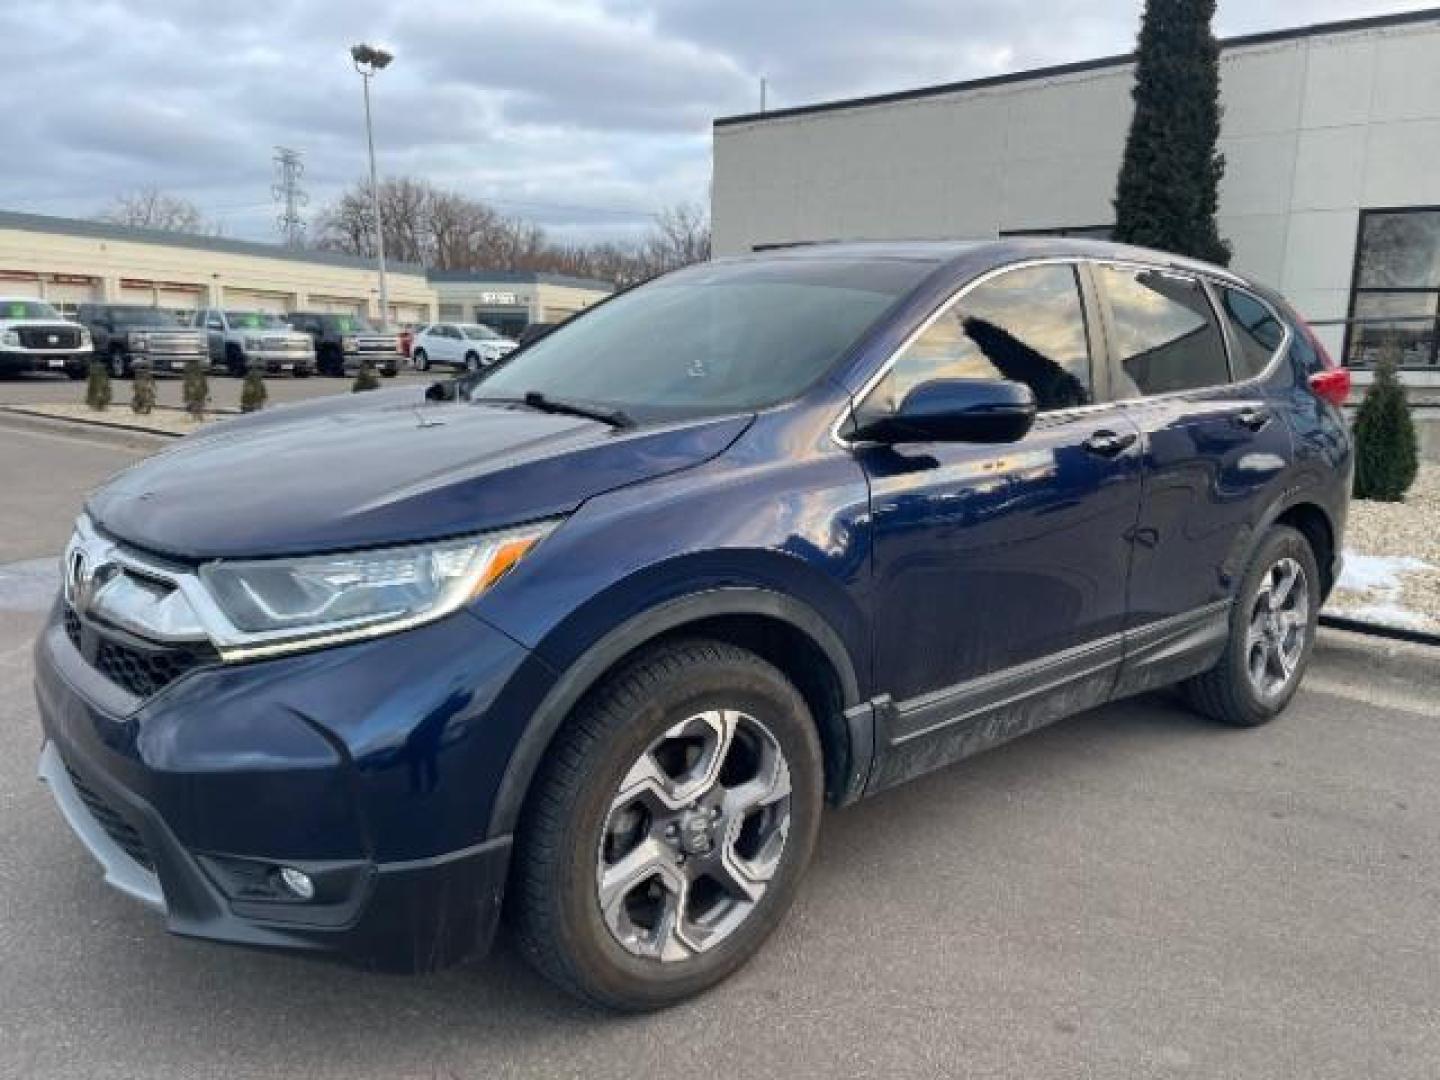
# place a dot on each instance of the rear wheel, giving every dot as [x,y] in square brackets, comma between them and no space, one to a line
[472,361]
[1272,631]
[235,361]
[422,362]
[119,368]
[669,827]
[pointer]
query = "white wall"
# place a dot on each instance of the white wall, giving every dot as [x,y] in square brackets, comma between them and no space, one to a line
[1315,129]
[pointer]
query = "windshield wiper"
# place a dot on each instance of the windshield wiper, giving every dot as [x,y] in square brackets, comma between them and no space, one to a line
[534,399]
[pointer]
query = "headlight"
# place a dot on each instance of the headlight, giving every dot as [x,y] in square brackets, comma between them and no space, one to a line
[349,344]
[253,343]
[278,605]
[140,342]
[84,338]
[10,338]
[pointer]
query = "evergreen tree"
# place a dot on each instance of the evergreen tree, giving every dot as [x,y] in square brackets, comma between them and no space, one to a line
[253,394]
[365,378]
[196,389]
[97,386]
[142,398]
[1386,451]
[1170,178]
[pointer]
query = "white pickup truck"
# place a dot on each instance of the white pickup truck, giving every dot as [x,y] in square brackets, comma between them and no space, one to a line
[36,337]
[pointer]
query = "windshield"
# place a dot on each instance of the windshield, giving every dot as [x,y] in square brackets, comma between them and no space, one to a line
[480,333]
[255,320]
[351,324]
[143,316]
[27,309]
[714,338]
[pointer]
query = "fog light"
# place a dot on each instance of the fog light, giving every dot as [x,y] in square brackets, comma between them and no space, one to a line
[298,882]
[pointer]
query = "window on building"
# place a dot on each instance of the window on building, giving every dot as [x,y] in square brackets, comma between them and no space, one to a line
[1395,297]
[1164,332]
[1254,329]
[1026,325]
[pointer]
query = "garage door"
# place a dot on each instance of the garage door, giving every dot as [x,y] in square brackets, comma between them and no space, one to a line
[181,299]
[20,285]
[69,292]
[408,313]
[254,300]
[338,305]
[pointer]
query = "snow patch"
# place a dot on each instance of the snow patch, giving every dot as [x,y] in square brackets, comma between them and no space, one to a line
[1370,589]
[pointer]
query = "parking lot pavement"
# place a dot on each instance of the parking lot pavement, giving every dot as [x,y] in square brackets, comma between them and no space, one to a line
[224,390]
[1131,893]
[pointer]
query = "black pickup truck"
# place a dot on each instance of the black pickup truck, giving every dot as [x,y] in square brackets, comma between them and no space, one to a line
[343,342]
[130,336]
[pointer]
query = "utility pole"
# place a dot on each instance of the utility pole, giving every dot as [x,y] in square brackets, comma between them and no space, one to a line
[287,191]
[369,60]
[763,88]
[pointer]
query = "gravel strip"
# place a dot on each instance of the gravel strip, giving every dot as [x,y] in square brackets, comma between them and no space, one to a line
[1399,530]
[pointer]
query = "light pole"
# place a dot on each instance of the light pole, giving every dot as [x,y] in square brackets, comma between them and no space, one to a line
[369,60]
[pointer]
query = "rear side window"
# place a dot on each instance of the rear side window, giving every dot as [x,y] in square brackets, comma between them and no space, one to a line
[1026,325]
[1254,329]
[1163,332]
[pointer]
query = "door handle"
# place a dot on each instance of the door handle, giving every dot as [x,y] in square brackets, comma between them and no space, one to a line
[1109,443]
[1254,418]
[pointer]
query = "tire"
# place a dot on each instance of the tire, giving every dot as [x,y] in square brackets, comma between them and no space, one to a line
[1232,692]
[567,834]
[77,373]
[119,366]
[234,361]
[303,372]
[331,364]
[422,362]
[390,372]
[472,362]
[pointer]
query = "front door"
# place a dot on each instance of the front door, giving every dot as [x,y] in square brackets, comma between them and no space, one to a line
[1000,570]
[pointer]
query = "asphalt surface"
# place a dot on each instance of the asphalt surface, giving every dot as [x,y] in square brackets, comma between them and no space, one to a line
[1131,893]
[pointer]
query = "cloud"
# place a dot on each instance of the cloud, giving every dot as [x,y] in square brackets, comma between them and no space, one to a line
[586,115]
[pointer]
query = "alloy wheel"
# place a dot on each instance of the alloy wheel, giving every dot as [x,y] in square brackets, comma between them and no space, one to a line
[693,836]
[1279,623]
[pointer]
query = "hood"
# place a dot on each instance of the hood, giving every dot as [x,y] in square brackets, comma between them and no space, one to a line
[339,474]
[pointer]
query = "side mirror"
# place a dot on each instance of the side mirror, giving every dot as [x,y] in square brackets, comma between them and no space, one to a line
[955,410]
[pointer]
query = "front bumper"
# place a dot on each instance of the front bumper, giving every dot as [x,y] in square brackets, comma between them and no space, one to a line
[192,800]
[276,361]
[16,361]
[167,361]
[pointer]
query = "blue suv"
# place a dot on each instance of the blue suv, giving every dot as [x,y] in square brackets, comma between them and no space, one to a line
[597,634]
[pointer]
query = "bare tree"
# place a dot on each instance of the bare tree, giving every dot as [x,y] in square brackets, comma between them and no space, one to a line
[151,208]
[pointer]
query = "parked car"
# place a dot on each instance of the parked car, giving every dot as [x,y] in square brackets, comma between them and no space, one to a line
[467,346]
[343,342]
[602,637]
[35,337]
[242,339]
[535,331]
[128,336]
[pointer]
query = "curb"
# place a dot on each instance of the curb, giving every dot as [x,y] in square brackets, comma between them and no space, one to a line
[123,434]
[1380,630]
[1374,669]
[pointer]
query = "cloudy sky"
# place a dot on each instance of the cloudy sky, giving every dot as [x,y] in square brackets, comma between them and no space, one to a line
[585,115]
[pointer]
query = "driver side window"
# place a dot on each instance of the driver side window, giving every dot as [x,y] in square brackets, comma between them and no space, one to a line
[1025,325]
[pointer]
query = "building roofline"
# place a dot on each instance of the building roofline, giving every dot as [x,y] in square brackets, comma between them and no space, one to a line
[1373,22]
[516,277]
[105,230]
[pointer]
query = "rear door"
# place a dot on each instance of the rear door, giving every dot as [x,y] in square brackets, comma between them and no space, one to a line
[1000,570]
[1217,457]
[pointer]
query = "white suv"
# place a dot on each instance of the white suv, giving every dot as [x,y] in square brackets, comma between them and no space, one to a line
[469,346]
[36,337]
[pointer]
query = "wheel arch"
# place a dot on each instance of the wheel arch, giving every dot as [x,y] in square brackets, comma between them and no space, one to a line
[781,629]
[1311,520]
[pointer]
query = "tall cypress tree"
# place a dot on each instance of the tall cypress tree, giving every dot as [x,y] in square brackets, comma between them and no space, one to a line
[1169,181]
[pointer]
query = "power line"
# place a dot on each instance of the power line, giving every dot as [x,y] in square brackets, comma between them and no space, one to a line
[287,191]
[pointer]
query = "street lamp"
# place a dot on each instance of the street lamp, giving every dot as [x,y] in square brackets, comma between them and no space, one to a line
[369,60]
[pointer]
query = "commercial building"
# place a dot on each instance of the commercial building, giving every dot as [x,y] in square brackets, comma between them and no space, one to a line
[69,262]
[1331,136]
[510,301]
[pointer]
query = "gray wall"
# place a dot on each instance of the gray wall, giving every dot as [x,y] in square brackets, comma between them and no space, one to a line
[1315,129]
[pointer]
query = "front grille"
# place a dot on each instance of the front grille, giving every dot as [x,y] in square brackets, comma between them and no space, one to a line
[286,344]
[176,346]
[49,337]
[116,827]
[376,345]
[142,669]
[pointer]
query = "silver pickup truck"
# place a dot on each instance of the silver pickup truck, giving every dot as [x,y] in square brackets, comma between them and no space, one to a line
[240,339]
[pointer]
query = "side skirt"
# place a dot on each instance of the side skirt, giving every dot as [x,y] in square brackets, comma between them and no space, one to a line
[926,733]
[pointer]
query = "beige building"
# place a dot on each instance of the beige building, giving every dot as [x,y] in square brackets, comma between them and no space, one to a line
[1331,136]
[510,301]
[69,262]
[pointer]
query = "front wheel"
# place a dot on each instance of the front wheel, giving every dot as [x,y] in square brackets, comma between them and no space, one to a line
[1272,631]
[472,362]
[669,827]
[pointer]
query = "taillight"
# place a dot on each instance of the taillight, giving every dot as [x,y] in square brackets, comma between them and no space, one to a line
[1331,384]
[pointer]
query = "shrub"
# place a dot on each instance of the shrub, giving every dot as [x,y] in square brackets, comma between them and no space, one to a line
[253,394]
[97,387]
[1386,451]
[366,379]
[142,397]
[196,389]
